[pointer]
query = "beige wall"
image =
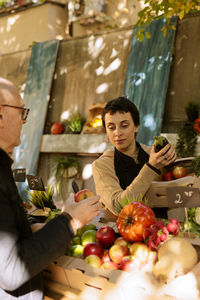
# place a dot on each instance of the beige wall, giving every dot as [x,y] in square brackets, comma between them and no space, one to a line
[39,23]
[89,70]
[123,13]
[49,21]
[14,66]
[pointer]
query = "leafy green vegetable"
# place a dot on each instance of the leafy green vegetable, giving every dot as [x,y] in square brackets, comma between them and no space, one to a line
[191,225]
[76,122]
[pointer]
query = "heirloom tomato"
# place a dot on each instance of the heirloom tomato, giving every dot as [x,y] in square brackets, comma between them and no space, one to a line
[132,221]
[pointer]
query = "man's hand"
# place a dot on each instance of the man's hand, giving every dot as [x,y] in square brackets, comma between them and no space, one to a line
[82,212]
[163,158]
[36,226]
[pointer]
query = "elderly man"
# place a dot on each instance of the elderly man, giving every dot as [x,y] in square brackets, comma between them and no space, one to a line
[23,254]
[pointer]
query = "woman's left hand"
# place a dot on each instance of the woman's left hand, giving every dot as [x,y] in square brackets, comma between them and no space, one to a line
[163,158]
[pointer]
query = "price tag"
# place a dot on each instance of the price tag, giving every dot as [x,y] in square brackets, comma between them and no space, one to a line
[35,183]
[19,175]
[183,196]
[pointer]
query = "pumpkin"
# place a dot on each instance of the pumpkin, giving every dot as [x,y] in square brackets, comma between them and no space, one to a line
[133,220]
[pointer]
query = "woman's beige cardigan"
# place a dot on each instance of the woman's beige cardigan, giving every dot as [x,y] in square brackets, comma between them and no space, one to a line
[108,186]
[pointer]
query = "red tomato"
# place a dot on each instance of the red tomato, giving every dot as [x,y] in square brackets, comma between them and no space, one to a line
[179,172]
[133,220]
[196,125]
[168,176]
[57,128]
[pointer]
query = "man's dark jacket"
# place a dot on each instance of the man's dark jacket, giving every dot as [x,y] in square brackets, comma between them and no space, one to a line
[24,255]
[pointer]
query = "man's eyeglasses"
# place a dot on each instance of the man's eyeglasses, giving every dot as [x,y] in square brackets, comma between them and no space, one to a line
[25,111]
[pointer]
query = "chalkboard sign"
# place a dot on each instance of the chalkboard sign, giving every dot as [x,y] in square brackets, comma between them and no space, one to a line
[183,197]
[19,175]
[35,183]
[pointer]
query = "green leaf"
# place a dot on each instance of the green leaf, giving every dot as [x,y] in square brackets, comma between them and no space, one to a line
[147,34]
[181,14]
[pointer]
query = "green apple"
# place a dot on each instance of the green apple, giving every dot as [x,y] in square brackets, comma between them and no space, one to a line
[93,260]
[76,250]
[88,226]
[88,236]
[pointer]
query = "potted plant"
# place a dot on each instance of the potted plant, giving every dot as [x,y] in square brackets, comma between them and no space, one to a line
[42,199]
[75,122]
[64,170]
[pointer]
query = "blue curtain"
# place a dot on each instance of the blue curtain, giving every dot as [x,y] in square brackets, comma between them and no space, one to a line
[147,78]
[36,96]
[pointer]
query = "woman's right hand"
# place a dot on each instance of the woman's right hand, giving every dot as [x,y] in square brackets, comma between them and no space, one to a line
[163,158]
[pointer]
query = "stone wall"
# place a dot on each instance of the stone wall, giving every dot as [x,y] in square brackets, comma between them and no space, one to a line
[35,24]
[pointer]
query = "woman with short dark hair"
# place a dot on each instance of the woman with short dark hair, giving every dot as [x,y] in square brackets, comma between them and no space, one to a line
[128,170]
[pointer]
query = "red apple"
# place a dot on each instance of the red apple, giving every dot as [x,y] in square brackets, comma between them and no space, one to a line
[129,263]
[106,236]
[139,250]
[105,257]
[93,248]
[93,260]
[110,265]
[57,128]
[83,194]
[121,241]
[179,172]
[117,252]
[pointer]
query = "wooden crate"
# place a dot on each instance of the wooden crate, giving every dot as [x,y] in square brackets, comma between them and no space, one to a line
[156,194]
[72,277]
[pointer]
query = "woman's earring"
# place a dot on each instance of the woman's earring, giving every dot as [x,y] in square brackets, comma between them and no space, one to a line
[108,140]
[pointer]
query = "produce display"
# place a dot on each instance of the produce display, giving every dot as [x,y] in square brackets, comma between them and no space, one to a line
[142,243]
[180,169]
